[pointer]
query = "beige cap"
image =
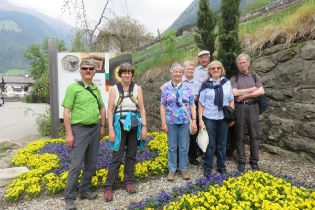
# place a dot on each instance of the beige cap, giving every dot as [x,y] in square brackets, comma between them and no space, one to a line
[204,52]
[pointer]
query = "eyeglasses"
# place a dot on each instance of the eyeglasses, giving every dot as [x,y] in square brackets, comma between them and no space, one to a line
[218,68]
[242,63]
[87,68]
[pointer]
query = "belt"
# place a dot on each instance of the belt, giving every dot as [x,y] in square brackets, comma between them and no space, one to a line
[247,102]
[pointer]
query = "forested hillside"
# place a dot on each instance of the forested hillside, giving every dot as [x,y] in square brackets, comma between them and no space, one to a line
[18,31]
[190,15]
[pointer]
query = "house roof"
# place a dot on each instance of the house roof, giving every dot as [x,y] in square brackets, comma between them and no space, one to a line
[18,79]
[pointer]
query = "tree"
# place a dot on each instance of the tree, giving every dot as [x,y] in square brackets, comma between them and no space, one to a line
[229,44]
[88,28]
[229,48]
[38,55]
[122,34]
[206,23]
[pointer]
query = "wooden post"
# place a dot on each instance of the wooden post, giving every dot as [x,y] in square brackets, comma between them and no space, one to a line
[53,86]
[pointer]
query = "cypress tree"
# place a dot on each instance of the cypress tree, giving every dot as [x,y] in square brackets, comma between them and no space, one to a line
[229,44]
[229,49]
[205,35]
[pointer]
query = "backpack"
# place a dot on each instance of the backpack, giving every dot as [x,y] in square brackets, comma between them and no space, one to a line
[262,100]
[122,95]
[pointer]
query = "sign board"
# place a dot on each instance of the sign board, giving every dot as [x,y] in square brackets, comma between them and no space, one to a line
[106,71]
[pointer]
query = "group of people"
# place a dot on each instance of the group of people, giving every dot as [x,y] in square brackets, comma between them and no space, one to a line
[199,94]
[194,94]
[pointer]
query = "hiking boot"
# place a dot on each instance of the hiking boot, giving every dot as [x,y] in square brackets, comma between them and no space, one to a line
[88,195]
[241,167]
[207,172]
[185,175]
[254,166]
[222,171]
[194,162]
[171,176]
[108,195]
[70,205]
[130,188]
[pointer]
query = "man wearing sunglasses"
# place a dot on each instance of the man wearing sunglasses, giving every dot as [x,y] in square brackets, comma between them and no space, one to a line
[83,108]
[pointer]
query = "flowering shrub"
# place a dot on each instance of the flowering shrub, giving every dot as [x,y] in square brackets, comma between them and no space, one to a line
[252,190]
[49,161]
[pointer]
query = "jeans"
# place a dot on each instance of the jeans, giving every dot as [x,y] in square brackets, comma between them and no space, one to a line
[217,131]
[178,136]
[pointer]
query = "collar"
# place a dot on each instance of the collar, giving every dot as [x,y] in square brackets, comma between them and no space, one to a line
[184,79]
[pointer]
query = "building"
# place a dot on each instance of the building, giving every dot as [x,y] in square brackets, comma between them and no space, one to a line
[16,84]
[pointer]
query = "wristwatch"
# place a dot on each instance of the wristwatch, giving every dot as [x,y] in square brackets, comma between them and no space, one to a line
[103,125]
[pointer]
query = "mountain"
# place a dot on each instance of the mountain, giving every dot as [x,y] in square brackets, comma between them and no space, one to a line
[21,27]
[190,14]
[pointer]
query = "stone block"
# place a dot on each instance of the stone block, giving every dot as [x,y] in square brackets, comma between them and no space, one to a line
[8,174]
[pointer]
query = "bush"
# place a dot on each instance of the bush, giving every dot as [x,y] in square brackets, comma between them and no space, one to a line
[43,122]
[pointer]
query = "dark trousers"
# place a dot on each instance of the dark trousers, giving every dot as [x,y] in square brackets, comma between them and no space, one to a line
[193,146]
[247,115]
[128,140]
[85,148]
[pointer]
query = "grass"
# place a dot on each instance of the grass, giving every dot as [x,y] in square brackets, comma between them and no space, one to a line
[292,24]
[3,149]
[154,56]
[14,72]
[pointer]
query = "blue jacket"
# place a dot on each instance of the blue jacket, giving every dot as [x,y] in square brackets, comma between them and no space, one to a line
[127,126]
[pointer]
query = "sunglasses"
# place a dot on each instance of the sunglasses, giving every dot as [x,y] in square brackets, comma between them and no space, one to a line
[218,68]
[87,68]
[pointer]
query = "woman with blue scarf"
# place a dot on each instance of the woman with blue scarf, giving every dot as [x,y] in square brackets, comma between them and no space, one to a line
[127,128]
[215,93]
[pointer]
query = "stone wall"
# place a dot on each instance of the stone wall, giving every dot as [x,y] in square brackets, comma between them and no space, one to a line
[288,75]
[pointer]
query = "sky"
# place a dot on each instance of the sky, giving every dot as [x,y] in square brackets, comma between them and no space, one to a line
[153,14]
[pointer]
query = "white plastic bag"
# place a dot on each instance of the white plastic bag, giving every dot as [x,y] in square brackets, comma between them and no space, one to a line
[203,138]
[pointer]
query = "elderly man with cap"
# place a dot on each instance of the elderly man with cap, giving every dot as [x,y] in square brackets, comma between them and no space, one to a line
[201,71]
[83,108]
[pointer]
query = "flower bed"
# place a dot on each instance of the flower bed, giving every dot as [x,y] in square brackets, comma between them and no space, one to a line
[252,190]
[49,160]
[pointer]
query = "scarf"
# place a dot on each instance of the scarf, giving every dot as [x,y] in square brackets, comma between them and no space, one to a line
[218,91]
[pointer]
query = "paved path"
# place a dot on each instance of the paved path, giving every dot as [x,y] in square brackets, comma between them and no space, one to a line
[15,123]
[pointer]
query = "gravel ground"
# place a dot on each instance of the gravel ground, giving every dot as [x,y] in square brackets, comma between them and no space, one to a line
[301,170]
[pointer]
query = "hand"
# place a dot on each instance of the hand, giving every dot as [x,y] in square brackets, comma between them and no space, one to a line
[102,132]
[194,126]
[69,141]
[241,98]
[164,128]
[231,123]
[201,123]
[144,133]
[111,135]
